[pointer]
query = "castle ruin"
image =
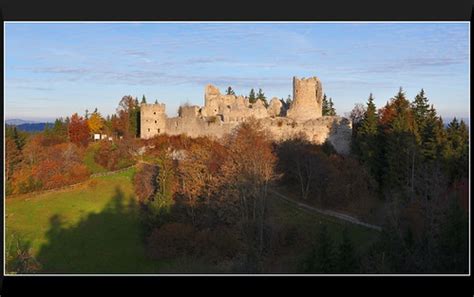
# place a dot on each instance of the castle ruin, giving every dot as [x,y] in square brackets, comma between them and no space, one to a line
[222,113]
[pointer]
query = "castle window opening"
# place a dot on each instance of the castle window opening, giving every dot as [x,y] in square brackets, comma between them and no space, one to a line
[154,112]
[148,129]
[155,122]
[158,130]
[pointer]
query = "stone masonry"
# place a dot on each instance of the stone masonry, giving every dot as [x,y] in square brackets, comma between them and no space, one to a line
[222,113]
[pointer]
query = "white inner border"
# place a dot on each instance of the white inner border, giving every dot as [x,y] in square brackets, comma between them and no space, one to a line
[232,22]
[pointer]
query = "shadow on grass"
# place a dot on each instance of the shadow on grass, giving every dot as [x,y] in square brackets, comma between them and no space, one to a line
[104,242]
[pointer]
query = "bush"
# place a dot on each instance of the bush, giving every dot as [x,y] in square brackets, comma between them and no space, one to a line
[217,244]
[171,241]
[145,183]
[114,156]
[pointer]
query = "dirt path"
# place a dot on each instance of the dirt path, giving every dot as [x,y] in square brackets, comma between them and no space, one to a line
[330,213]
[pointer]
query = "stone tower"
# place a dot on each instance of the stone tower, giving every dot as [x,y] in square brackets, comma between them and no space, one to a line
[307,99]
[152,119]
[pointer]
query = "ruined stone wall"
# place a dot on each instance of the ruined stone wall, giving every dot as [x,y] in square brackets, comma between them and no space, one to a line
[307,99]
[152,120]
[223,113]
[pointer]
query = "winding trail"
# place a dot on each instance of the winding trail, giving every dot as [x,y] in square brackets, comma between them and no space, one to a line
[330,213]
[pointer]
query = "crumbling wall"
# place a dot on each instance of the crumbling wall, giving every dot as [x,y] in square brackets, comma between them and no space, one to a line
[307,99]
[223,113]
[152,120]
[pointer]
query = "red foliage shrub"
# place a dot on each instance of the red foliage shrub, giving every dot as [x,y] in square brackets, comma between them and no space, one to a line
[49,167]
[114,156]
[144,182]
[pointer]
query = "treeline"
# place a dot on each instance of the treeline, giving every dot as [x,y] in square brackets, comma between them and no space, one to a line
[321,177]
[56,156]
[420,167]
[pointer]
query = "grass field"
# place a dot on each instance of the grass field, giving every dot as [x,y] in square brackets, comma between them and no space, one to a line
[95,228]
[92,228]
[89,159]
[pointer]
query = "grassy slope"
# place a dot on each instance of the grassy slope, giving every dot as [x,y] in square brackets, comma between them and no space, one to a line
[98,229]
[285,214]
[89,159]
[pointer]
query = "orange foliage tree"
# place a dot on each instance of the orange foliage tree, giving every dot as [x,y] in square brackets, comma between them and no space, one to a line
[78,130]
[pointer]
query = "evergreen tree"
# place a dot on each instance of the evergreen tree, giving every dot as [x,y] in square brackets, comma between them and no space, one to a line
[143,99]
[19,138]
[325,106]
[135,119]
[288,101]
[252,98]
[87,114]
[420,109]
[321,259]
[261,96]
[230,91]
[331,109]
[431,135]
[156,101]
[346,261]
[60,128]
[400,146]
[457,149]
[367,139]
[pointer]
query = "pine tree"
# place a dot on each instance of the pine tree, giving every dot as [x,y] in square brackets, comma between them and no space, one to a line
[400,147]
[368,139]
[261,96]
[430,135]
[325,106]
[331,109]
[288,101]
[143,99]
[346,261]
[321,258]
[230,91]
[252,98]
[325,252]
[457,150]
[156,101]
[420,110]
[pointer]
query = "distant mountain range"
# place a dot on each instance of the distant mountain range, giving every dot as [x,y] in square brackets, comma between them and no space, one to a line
[17,122]
[27,126]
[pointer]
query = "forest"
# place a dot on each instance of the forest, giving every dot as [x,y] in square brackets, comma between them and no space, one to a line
[212,200]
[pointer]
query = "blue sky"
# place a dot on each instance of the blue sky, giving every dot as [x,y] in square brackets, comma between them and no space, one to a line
[56,69]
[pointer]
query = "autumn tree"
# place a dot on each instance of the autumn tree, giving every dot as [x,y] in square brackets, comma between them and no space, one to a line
[197,173]
[244,178]
[127,120]
[305,164]
[144,182]
[95,122]
[78,130]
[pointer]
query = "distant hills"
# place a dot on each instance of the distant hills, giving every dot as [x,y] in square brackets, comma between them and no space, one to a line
[17,122]
[27,126]
[32,127]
